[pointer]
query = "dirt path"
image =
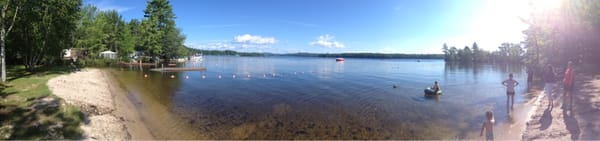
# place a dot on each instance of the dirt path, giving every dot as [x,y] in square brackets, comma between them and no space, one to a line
[574,116]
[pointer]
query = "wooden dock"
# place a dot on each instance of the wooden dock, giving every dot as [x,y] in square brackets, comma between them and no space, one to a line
[174,69]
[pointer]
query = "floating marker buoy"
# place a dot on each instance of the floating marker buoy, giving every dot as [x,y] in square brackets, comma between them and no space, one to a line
[145,75]
[264,75]
[248,75]
[203,76]
[233,76]
[187,77]
[172,76]
[219,76]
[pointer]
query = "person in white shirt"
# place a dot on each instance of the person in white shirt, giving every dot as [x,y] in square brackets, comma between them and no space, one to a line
[510,84]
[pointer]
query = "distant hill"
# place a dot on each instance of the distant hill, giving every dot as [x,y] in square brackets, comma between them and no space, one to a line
[345,55]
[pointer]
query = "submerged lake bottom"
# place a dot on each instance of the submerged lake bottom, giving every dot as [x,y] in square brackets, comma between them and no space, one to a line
[319,98]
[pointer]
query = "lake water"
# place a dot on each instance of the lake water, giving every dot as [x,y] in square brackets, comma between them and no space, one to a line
[319,98]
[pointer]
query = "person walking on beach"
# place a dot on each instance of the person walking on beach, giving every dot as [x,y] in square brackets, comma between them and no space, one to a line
[569,78]
[549,78]
[488,126]
[510,84]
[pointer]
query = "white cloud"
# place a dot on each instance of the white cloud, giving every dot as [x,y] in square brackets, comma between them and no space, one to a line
[252,39]
[327,41]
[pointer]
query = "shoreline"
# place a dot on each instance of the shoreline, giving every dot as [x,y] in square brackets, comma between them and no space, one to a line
[109,113]
[573,116]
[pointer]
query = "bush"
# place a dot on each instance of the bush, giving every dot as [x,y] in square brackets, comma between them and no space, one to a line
[96,62]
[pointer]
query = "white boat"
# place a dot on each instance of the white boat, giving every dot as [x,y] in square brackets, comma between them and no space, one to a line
[196,58]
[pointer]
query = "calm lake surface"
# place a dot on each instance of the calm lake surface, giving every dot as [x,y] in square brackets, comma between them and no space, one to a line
[319,98]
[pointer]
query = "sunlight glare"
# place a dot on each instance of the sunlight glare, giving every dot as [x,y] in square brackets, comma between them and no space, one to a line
[545,4]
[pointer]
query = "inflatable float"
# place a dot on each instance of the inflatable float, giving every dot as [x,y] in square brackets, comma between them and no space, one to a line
[430,91]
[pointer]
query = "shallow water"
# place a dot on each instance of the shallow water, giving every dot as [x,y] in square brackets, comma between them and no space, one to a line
[319,98]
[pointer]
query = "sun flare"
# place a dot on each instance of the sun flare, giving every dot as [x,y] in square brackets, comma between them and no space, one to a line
[545,4]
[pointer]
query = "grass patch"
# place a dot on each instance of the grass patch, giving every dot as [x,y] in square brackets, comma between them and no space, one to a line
[28,109]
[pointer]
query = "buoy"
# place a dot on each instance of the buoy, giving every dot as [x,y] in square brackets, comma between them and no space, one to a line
[264,75]
[203,76]
[394,86]
[294,72]
[248,75]
[187,77]
[172,76]
[233,76]
[145,75]
[219,76]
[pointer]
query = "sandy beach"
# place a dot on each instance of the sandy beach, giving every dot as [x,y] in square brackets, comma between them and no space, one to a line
[109,114]
[573,117]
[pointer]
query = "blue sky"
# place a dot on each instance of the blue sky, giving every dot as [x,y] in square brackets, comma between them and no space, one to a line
[334,26]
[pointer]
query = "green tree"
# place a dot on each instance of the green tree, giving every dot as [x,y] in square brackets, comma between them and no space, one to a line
[10,9]
[566,33]
[478,54]
[88,34]
[453,53]
[446,51]
[125,41]
[136,29]
[467,54]
[161,36]
[44,30]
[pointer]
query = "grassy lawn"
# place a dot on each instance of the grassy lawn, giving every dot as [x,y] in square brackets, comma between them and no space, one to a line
[28,110]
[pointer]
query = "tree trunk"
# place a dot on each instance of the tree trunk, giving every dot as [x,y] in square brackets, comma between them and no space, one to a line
[3,33]
[2,57]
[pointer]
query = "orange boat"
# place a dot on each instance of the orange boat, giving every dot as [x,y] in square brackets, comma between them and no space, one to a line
[339,59]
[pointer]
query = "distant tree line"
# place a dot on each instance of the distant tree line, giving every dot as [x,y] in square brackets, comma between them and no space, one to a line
[194,51]
[371,55]
[506,53]
[303,54]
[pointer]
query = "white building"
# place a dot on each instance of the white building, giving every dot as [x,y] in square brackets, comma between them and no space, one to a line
[108,54]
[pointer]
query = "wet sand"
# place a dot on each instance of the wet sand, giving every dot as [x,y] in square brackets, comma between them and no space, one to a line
[573,117]
[109,114]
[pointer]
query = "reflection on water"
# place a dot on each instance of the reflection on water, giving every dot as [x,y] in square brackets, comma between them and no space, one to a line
[319,98]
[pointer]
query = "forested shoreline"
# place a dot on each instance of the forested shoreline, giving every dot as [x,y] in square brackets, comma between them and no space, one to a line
[36,33]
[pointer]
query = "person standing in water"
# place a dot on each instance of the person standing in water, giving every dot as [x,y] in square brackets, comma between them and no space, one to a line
[488,126]
[510,84]
[549,78]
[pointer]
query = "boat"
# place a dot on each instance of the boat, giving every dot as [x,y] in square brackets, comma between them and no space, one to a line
[195,58]
[339,59]
[430,91]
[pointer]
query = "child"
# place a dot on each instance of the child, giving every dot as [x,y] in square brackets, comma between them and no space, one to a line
[436,87]
[510,84]
[488,126]
[569,78]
